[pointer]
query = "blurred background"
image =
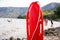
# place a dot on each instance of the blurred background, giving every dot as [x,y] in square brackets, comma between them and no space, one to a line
[13,14]
[18,8]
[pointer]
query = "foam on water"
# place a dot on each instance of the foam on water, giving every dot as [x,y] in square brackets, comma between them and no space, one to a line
[17,27]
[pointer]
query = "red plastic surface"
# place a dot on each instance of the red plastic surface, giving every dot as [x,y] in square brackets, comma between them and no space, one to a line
[34,22]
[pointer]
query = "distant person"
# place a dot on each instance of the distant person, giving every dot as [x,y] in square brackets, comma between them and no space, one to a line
[51,23]
[46,21]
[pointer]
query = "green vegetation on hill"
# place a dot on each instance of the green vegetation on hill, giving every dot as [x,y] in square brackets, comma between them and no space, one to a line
[21,16]
[50,14]
[57,12]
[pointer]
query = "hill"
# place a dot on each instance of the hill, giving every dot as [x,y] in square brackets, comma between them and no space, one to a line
[51,6]
[13,12]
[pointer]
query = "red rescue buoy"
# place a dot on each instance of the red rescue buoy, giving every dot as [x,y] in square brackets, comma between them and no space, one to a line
[34,22]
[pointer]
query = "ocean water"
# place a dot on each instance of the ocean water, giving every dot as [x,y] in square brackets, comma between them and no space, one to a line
[16,28]
[12,28]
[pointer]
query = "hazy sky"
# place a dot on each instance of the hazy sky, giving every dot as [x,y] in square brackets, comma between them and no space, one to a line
[23,3]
